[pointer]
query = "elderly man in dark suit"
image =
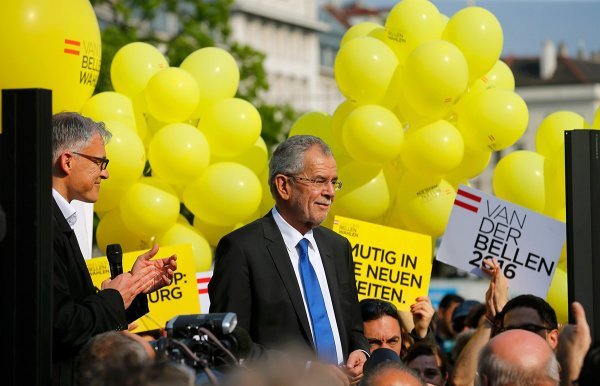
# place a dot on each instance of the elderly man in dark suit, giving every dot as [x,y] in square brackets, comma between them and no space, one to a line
[289,280]
[80,310]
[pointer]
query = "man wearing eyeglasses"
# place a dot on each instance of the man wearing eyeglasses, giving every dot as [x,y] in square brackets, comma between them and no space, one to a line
[289,280]
[80,311]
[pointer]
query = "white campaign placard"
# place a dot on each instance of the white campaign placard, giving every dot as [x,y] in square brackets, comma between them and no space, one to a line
[526,244]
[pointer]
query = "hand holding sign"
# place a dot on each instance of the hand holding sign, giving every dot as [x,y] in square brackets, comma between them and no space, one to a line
[497,294]
[422,312]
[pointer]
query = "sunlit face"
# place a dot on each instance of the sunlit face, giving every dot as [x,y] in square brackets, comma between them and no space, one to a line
[428,368]
[528,319]
[383,332]
[308,204]
[85,176]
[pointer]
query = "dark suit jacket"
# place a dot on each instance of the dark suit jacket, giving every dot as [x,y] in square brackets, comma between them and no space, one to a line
[80,311]
[254,277]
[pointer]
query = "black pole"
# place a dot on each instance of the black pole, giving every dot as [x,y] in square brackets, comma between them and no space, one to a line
[582,178]
[26,248]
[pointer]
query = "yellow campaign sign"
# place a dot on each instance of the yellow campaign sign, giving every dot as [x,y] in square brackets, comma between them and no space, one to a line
[179,298]
[389,264]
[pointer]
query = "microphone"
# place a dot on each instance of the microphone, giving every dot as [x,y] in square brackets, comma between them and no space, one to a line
[114,254]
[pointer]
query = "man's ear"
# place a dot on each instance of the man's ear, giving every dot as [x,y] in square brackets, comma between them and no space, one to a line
[552,338]
[283,187]
[64,162]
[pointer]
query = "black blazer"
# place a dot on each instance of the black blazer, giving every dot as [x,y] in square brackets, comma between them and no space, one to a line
[79,310]
[254,277]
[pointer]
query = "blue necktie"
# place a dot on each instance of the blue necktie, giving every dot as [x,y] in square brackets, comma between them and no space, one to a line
[316,307]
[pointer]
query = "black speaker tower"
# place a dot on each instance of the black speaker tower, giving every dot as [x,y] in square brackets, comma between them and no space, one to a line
[582,167]
[26,246]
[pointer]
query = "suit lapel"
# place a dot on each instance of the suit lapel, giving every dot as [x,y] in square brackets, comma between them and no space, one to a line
[281,259]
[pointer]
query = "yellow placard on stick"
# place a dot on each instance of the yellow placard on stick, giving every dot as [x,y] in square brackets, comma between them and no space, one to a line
[179,298]
[389,264]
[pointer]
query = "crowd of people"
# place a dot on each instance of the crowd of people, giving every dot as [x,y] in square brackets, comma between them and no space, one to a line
[291,283]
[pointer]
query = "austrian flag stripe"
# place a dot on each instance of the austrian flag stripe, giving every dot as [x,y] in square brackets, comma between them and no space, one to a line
[72,47]
[466,196]
[203,285]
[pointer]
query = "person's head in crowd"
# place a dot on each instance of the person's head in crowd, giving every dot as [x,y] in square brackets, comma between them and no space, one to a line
[381,325]
[475,316]
[391,373]
[447,306]
[461,341]
[379,356]
[460,314]
[112,354]
[517,358]
[428,361]
[590,371]
[303,180]
[79,156]
[165,373]
[531,313]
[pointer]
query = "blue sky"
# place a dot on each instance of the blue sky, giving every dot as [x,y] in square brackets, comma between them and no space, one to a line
[526,24]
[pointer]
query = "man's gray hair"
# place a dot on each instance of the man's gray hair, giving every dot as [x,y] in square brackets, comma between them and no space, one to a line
[73,132]
[288,158]
[499,373]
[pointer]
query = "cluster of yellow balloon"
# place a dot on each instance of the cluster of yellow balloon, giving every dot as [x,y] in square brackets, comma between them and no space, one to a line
[202,144]
[427,102]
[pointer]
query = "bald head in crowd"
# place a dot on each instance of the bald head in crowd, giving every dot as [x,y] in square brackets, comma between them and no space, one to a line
[517,358]
[391,373]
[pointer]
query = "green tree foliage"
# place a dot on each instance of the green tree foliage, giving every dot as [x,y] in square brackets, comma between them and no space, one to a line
[201,23]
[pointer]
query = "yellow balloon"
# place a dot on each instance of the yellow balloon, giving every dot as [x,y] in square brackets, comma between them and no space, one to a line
[212,233]
[558,295]
[363,69]
[494,119]
[434,149]
[423,204]
[109,197]
[148,210]
[550,137]
[339,117]
[226,193]
[132,67]
[53,45]
[364,194]
[435,76]
[500,75]
[320,125]
[110,106]
[231,126]
[182,234]
[519,178]
[172,95]
[217,74]
[473,163]
[359,30]
[178,153]
[126,153]
[596,123]
[478,34]
[554,184]
[112,230]
[256,158]
[267,202]
[411,23]
[372,134]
